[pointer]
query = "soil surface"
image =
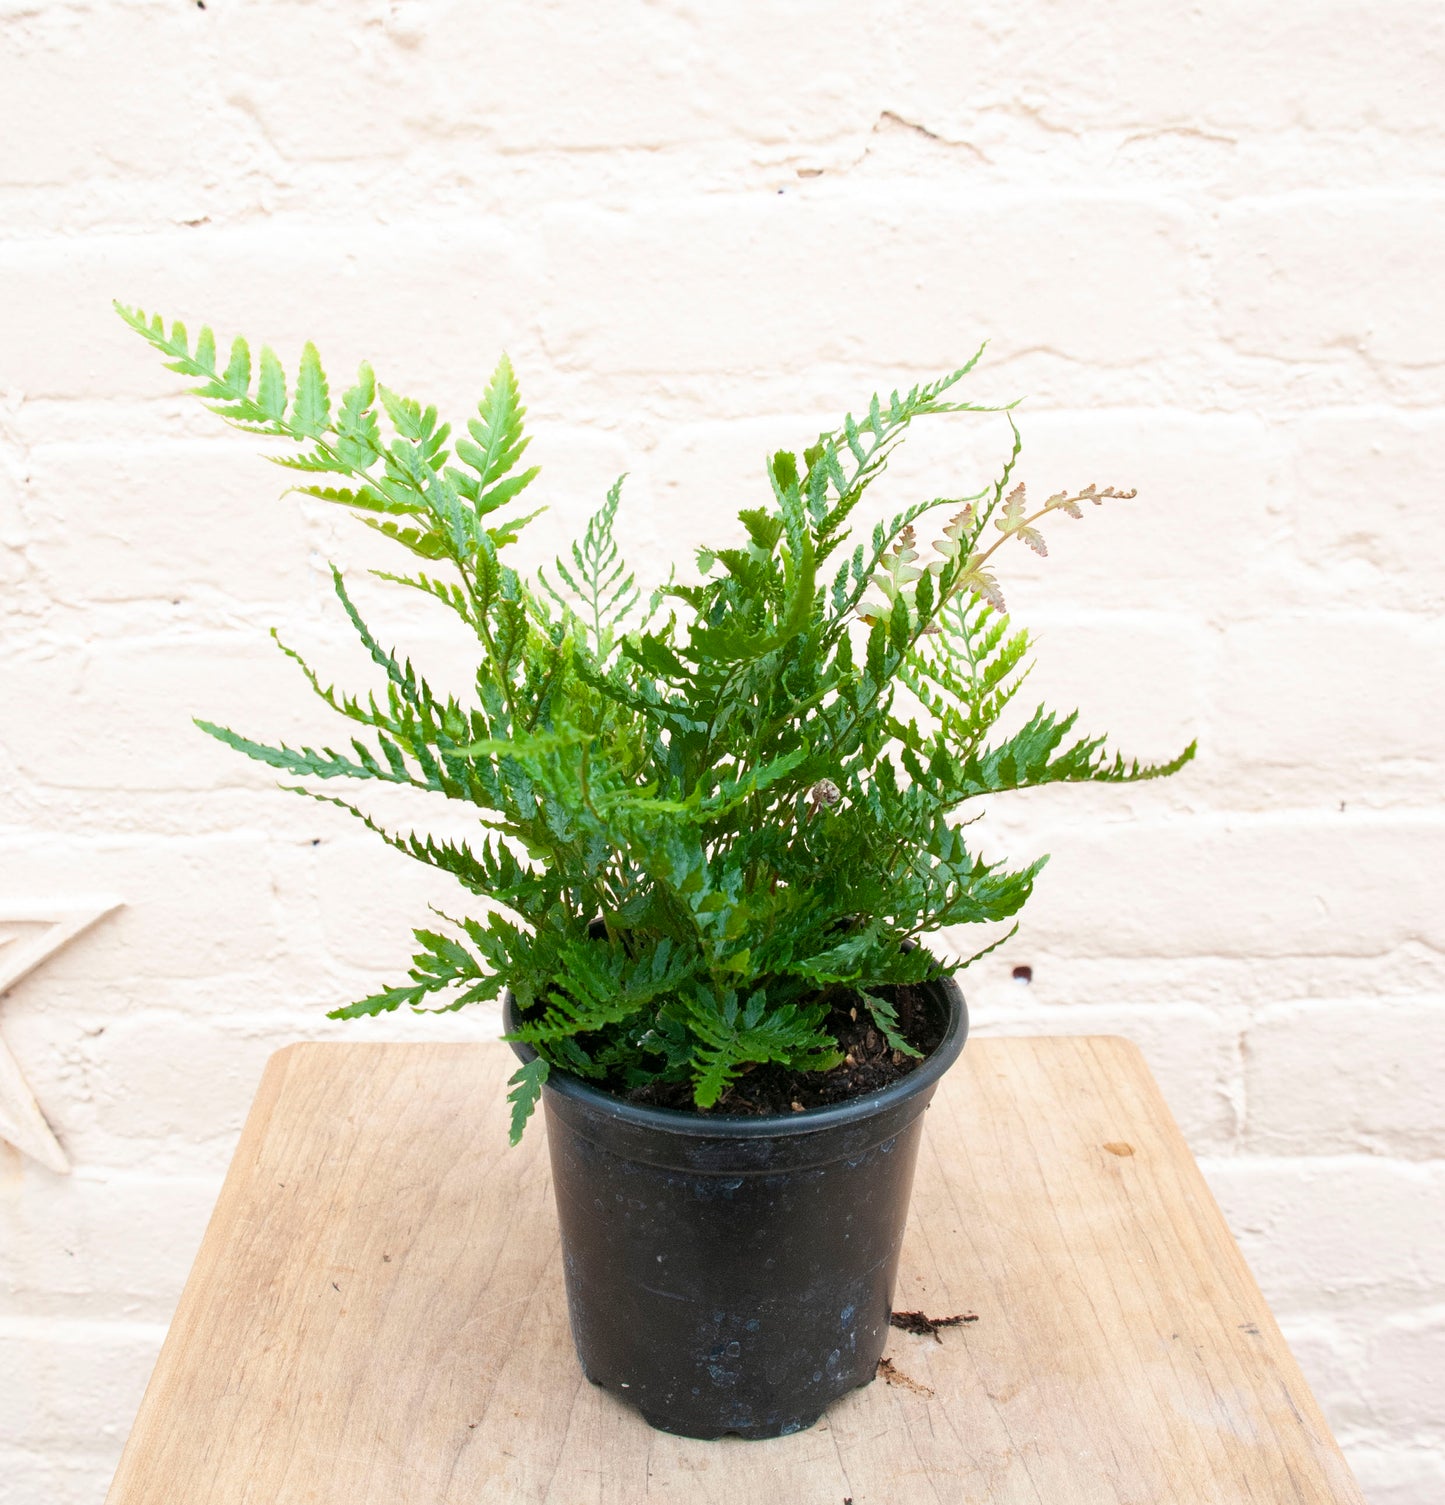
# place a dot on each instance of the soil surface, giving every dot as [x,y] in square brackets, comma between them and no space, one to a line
[869,1064]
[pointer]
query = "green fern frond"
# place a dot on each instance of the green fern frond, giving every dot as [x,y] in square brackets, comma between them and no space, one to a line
[500,443]
[440,965]
[734,1036]
[884,1015]
[603,589]
[697,826]
[526,1089]
[324,763]
[402,676]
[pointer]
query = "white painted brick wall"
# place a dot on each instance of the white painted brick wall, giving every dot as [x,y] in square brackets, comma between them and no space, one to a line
[1204,240]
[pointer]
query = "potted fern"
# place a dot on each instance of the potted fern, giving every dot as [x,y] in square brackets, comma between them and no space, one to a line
[710,843]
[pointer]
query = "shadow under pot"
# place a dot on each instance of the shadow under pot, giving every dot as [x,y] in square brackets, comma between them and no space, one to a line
[730,1274]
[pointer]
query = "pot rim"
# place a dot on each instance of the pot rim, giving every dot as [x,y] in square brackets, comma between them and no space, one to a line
[746,1126]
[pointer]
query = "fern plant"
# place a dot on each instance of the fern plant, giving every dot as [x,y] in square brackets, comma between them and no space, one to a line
[701,816]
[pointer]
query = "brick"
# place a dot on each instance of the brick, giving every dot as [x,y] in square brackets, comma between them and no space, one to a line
[13,534]
[88,1076]
[372,898]
[179,520]
[71,1478]
[67,67]
[212,910]
[1364,1408]
[556,79]
[73,1385]
[921,279]
[153,1078]
[435,330]
[363,59]
[1300,65]
[1264,887]
[1325,277]
[1400,1383]
[74,1246]
[1391,1054]
[1398,1475]
[1233,988]
[127,710]
[1356,514]
[1311,1228]
[1327,707]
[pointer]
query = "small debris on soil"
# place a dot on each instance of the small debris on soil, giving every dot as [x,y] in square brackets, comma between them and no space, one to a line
[1118,1147]
[869,1063]
[889,1372]
[927,1327]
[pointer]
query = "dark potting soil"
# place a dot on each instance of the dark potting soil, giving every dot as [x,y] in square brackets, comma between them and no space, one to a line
[869,1063]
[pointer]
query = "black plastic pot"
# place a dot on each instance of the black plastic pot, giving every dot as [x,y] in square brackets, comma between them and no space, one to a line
[735,1274]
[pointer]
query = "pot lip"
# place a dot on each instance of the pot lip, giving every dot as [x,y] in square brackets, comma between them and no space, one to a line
[770,1126]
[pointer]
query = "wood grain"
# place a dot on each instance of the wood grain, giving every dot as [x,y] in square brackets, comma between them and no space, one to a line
[376,1316]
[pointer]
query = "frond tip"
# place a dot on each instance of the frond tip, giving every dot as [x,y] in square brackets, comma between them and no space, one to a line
[603,589]
[526,1085]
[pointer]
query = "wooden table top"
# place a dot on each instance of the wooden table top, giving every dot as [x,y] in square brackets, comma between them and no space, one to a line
[376,1315]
